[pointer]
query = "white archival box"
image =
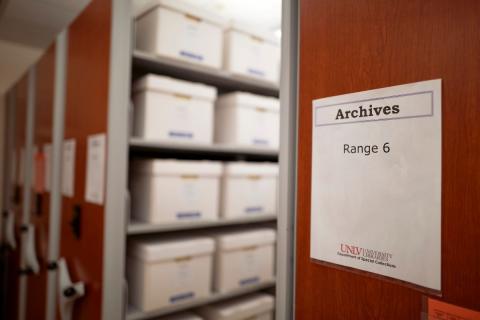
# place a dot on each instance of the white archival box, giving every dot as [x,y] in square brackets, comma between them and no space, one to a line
[170,271]
[247,119]
[256,306]
[249,189]
[244,258]
[177,30]
[250,52]
[168,109]
[173,190]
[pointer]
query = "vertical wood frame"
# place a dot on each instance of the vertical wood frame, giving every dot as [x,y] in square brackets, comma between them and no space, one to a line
[86,113]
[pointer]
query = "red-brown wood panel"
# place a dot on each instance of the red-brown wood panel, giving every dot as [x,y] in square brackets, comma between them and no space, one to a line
[348,46]
[39,214]
[86,114]
[13,264]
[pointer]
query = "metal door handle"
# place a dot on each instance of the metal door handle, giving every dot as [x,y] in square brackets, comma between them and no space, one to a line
[68,292]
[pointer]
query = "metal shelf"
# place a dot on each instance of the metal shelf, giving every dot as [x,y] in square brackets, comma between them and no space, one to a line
[134,314]
[138,145]
[138,228]
[144,62]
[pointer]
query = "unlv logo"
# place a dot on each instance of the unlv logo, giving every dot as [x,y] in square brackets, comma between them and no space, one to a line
[345,248]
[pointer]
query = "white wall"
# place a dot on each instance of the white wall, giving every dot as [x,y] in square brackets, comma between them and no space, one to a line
[16,59]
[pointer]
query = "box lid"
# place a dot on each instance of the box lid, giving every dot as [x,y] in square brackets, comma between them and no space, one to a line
[169,85]
[168,167]
[182,316]
[250,169]
[154,249]
[255,31]
[241,239]
[239,308]
[244,99]
[183,7]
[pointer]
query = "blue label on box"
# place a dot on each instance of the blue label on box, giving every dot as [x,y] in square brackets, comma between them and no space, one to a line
[181,297]
[189,214]
[253,209]
[248,281]
[256,72]
[262,142]
[179,134]
[191,55]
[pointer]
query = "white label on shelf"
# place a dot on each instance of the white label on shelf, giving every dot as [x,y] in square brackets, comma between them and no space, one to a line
[95,179]
[68,167]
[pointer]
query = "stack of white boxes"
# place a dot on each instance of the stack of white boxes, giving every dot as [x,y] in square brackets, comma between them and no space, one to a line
[247,119]
[173,110]
[165,271]
[166,191]
[249,189]
[173,29]
[251,53]
[244,258]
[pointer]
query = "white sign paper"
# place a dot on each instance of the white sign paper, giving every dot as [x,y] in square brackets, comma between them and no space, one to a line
[95,168]
[68,167]
[376,182]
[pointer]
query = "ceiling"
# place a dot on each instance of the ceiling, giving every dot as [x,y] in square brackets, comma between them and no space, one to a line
[27,28]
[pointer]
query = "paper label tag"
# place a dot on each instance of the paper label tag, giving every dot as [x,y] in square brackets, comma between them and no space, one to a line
[47,156]
[68,167]
[438,310]
[95,179]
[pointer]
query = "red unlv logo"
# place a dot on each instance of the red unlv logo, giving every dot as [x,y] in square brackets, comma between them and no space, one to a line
[356,251]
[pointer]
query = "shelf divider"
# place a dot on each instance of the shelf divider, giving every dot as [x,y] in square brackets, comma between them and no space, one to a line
[139,228]
[144,62]
[212,151]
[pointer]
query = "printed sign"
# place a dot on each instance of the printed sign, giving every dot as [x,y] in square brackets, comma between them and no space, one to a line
[376,182]
[68,167]
[95,168]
